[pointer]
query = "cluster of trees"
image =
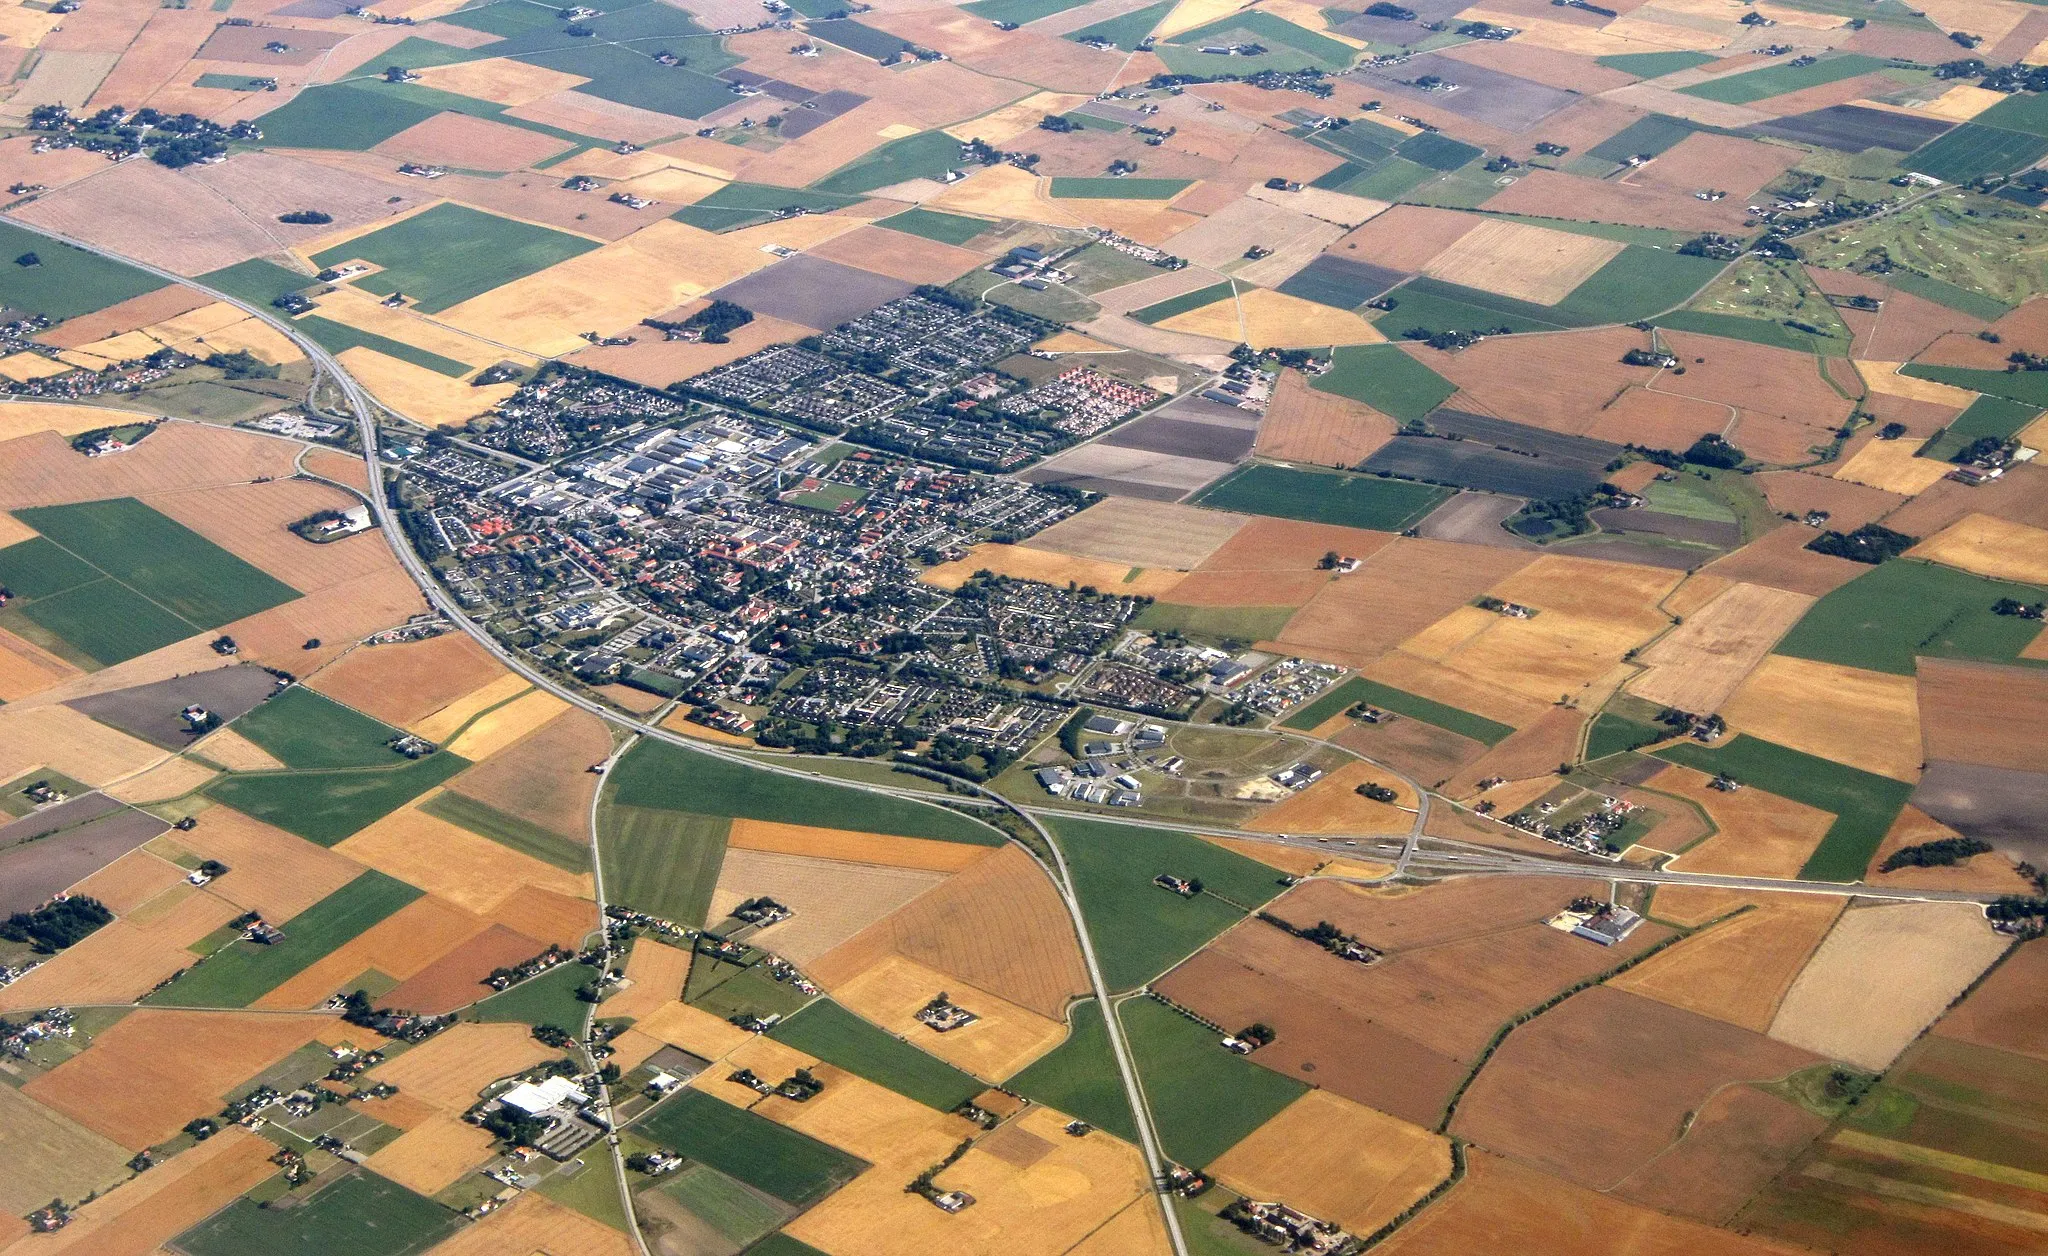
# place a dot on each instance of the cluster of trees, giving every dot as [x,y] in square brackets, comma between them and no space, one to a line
[241,364]
[1872,543]
[1943,853]
[54,926]
[1711,450]
[714,321]
[306,217]
[1377,792]
[172,140]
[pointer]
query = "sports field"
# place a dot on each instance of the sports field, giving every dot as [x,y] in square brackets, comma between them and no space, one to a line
[837,1036]
[774,1158]
[361,1213]
[114,579]
[447,254]
[656,774]
[302,729]
[1359,689]
[1385,378]
[661,862]
[1864,804]
[1139,929]
[1079,1076]
[1352,501]
[1204,1099]
[63,282]
[1901,609]
[246,971]
[326,807]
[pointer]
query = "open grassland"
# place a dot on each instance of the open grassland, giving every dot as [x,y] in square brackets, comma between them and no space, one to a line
[655,774]
[245,971]
[1204,1098]
[359,1213]
[662,862]
[1864,804]
[1140,929]
[791,1166]
[835,1035]
[1352,501]
[1899,610]
[326,807]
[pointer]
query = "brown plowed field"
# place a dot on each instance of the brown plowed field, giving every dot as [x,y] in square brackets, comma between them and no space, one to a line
[1737,970]
[401,684]
[2021,495]
[1560,383]
[2009,1011]
[997,925]
[1868,720]
[1775,438]
[1760,834]
[1337,1160]
[1534,750]
[338,615]
[399,945]
[456,979]
[1657,419]
[1139,533]
[1420,750]
[158,215]
[1729,162]
[899,256]
[125,316]
[271,871]
[1781,560]
[156,1069]
[1908,325]
[559,918]
[430,1156]
[250,521]
[1502,1206]
[1406,237]
[1757,378]
[1736,1143]
[1992,872]
[151,1210]
[1697,665]
[1981,713]
[1397,592]
[1303,425]
[1629,1070]
[833,901]
[1849,506]
[449,1069]
[1273,562]
[456,139]
[533,1223]
[1334,805]
[128,958]
[1552,194]
[543,777]
[42,470]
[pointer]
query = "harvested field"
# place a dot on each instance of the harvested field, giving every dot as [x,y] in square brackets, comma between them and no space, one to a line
[998,925]
[1868,720]
[449,1069]
[445,859]
[533,1223]
[156,1069]
[1396,593]
[1991,872]
[1004,1040]
[399,945]
[659,363]
[1781,560]
[40,863]
[48,1156]
[132,880]
[898,256]
[150,212]
[456,979]
[1522,261]
[425,396]
[404,683]
[2005,1013]
[134,314]
[1737,1141]
[1142,534]
[1980,713]
[124,960]
[500,80]
[1221,239]
[337,615]
[70,742]
[850,846]
[542,778]
[250,521]
[430,1156]
[173,778]
[562,919]
[1891,465]
[501,727]
[1561,383]
[2017,496]
[1333,805]
[1699,664]
[451,717]
[1632,1068]
[1738,971]
[1028,563]
[833,901]
[1881,976]
[1986,545]
[235,752]
[456,139]
[1505,1206]
[275,873]
[27,669]
[694,1030]
[1406,237]
[1337,1160]
[1304,425]
[1273,562]
[1721,161]
[793,290]
[1849,506]
[1474,519]
[1658,419]
[657,972]
[1419,749]
[1760,834]
[151,1210]
[1552,194]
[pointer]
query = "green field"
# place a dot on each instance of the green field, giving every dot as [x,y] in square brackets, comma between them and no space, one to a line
[1126,31]
[1649,136]
[660,861]
[114,579]
[302,729]
[256,281]
[1079,1076]
[1273,32]
[1980,246]
[1354,501]
[1204,1099]
[1385,378]
[337,337]
[925,156]
[728,990]
[1993,416]
[2025,112]
[1019,11]
[1389,180]
[930,224]
[246,971]
[1973,149]
[352,117]
[1437,152]
[1884,619]
[656,774]
[1139,929]
[790,1166]
[1756,331]
[361,1214]
[837,1036]
[855,37]
[1612,733]
[629,76]
[1637,283]
[326,807]
[1127,188]
[1751,86]
[507,830]
[1651,65]
[737,1212]
[2029,388]
[65,281]
[449,253]
[744,204]
[549,999]
[1217,623]
[1359,689]
[782,1245]
[827,497]
[1864,804]
[1160,311]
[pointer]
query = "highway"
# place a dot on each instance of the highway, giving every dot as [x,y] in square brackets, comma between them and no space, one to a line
[1415,853]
